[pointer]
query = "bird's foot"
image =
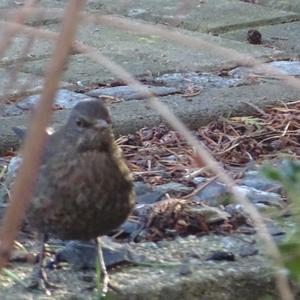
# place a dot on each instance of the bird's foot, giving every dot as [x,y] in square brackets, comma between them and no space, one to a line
[102,280]
[40,281]
[103,283]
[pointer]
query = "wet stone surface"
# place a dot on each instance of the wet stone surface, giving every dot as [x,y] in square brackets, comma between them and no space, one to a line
[256,180]
[127,93]
[65,99]
[82,255]
[291,68]
[195,80]
[167,84]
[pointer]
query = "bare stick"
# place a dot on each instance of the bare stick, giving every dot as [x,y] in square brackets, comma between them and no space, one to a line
[35,139]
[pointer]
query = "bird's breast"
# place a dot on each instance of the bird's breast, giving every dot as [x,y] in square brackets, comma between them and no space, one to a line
[82,197]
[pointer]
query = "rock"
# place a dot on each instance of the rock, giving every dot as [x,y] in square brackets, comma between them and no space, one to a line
[64,99]
[127,93]
[185,269]
[245,229]
[10,110]
[149,198]
[211,214]
[274,229]
[12,169]
[141,209]
[82,255]
[173,187]
[198,180]
[256,180]
[130,229]
[248,250]
[141,188]
[291,68]
[241,72]
[193,80]
[256,196]
[214,194]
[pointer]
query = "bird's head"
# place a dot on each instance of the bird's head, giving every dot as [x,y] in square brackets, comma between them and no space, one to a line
[89,124]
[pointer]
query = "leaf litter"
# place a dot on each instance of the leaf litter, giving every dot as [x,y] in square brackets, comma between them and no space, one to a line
[158,155]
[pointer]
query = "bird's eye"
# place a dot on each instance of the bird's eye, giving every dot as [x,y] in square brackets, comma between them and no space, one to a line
[82,123]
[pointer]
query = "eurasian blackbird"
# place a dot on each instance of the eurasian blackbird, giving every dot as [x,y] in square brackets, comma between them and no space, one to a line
[84,188]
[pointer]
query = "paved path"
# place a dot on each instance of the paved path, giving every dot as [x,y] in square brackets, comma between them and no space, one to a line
[223,22]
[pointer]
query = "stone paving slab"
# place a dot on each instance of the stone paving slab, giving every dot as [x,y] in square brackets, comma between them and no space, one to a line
[287,5]
[25,84]
[19,50]
[91,5]
[177,270]
[129,116]
[283,37]
[11,4]
[142,54]
[205,16]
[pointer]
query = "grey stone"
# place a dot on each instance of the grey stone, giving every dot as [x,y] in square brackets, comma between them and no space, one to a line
[291,68]
[217,193]
[256,180]
[274,229]
[203,108]
[185,269]
[130,229]
[258,196]
[149,198]
[248,250]
[198,180]
[64,99]
[127,93]
[82,255]
[210,214]
[141,188]
[8,110]
[214,194]
[173,187]
[12,169]
[193,80]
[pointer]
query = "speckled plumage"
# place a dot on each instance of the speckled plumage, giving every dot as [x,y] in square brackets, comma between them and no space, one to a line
[84,188]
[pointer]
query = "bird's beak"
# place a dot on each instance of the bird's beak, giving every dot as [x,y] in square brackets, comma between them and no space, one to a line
[100,124]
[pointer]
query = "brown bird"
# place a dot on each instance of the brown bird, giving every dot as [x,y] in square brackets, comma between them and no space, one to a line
[84,188]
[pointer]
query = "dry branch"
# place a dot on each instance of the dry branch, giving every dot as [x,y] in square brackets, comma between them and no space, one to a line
[33,145]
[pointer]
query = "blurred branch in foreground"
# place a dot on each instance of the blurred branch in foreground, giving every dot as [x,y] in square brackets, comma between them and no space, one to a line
[34,142]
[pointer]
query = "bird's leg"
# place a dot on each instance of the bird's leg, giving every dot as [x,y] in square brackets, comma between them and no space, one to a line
[105,280]
[39,276]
